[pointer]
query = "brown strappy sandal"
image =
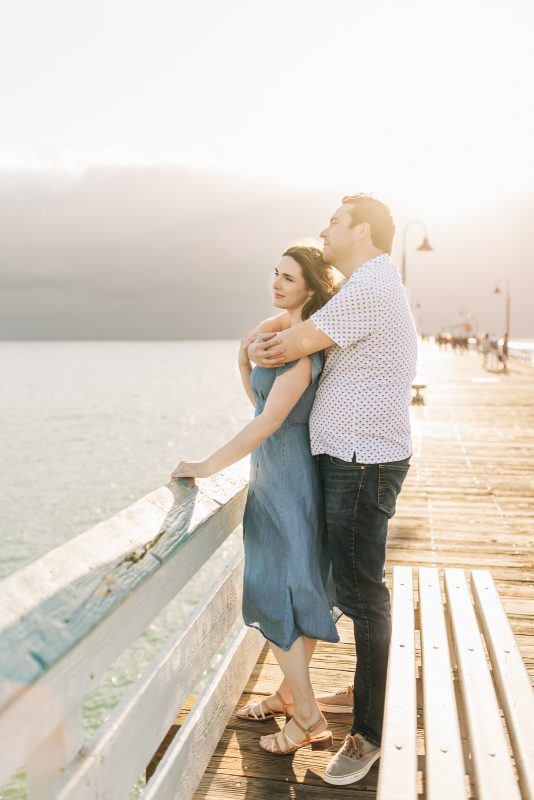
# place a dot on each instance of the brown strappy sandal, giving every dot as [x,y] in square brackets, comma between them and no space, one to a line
[265,711]
[282,745]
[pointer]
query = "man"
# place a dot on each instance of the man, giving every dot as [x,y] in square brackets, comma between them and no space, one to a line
[360,429]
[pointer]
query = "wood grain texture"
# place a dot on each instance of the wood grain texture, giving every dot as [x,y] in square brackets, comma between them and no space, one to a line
[66,617]
[468,501]
[510,676]
[109,765]
[183,765]
[494,774]
[444,762]
[398,761]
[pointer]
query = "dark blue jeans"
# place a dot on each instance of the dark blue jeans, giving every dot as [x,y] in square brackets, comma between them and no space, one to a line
[359,501]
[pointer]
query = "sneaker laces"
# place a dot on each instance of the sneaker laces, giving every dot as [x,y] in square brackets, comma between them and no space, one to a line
[352,747]
[348,690]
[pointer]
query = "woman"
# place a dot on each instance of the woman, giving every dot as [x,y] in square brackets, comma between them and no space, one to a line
[286,567]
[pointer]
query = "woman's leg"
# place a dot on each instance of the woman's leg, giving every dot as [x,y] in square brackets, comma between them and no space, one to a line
[272,701]
[295,664]
[285,688]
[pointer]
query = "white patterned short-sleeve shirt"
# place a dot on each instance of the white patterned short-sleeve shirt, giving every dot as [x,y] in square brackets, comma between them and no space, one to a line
[362,403]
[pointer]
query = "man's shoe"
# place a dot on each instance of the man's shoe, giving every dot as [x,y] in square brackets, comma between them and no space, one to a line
[352,762]
[340,702]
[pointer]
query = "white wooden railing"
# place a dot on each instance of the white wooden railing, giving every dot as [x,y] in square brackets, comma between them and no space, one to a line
[65,618]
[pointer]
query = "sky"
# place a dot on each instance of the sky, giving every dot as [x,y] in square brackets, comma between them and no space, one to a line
[156,157]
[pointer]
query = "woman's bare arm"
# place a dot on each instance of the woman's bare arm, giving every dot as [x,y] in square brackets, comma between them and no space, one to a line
[287,390]
[274,324]
[245,367]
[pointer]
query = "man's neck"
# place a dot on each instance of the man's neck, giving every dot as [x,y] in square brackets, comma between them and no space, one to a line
[357,260]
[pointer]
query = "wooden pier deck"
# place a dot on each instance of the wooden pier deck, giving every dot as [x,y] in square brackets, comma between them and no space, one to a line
[468,502]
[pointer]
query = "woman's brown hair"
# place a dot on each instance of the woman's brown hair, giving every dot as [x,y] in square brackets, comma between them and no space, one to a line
[318,276]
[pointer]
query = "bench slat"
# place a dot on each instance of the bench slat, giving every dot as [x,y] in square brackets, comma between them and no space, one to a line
[493,771]
[398,762]
[445,772]
[511,677]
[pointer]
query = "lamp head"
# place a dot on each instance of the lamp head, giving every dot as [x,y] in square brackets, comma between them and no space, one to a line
[425,245]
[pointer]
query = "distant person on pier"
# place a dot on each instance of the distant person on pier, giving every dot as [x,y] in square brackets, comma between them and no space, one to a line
[287,591]
[504,352]
[485,349]
[360,431]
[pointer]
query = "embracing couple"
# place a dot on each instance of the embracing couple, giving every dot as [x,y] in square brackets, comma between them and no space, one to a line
[330,444]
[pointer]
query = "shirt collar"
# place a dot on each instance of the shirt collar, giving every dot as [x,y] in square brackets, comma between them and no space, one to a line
[377,262]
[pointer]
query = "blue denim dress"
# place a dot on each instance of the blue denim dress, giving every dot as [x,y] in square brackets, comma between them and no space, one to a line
[288,590]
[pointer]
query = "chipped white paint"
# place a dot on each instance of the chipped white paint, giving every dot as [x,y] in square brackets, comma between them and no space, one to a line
[65,618]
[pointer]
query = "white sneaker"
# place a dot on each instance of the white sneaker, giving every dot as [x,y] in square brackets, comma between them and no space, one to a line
[352,762]
[340,702]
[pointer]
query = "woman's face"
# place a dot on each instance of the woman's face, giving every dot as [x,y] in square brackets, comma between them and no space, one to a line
[290,290]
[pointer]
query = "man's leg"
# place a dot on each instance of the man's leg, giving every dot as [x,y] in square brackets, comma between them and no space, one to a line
[359,500]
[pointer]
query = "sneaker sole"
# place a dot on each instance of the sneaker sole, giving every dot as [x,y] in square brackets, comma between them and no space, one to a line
[343,780]
[335,709]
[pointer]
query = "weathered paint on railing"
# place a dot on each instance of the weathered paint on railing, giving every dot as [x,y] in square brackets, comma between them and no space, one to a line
[65,618]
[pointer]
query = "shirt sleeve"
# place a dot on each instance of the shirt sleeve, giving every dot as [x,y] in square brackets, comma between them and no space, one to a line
[352,314]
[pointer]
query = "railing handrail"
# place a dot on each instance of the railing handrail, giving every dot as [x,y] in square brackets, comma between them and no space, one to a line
[66,617]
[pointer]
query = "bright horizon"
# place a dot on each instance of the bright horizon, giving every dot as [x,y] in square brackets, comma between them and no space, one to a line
[426,105]
[406,100]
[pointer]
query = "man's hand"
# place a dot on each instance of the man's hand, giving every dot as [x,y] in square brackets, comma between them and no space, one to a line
[243,357]
[267,350]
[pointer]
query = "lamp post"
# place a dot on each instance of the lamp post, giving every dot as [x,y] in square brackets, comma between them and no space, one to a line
[498,290]
[425,245]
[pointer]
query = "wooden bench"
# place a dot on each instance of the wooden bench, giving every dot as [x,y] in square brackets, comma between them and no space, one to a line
[419,385]
[477,701]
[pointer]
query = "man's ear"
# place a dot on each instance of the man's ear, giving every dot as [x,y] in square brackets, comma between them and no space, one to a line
[365,230]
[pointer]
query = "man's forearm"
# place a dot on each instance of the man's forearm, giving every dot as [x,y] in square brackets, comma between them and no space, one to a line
[297,342]
[275,324]
[301,340]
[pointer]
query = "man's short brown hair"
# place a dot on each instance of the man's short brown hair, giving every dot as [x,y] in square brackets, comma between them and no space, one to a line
[365,208]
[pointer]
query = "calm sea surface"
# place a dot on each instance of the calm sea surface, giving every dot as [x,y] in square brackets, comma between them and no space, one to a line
[88,427]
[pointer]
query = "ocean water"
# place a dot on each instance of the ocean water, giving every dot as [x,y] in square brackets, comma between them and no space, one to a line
[88,427]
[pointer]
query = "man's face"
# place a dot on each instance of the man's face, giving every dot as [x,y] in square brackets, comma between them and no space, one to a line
[338,237]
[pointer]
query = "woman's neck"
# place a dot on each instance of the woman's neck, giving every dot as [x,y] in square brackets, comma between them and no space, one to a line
[295,316]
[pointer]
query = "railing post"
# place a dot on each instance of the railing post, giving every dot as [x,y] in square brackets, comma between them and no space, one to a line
[47,764]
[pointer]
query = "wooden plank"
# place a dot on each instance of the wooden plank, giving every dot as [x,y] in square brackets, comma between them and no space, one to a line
[231,787]
[181,768]
[398,760]
[510,676]
[56,647]
[444,764]
[493,770]
[111,763]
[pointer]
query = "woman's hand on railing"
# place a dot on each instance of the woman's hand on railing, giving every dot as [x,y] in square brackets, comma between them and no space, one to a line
[192,469]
